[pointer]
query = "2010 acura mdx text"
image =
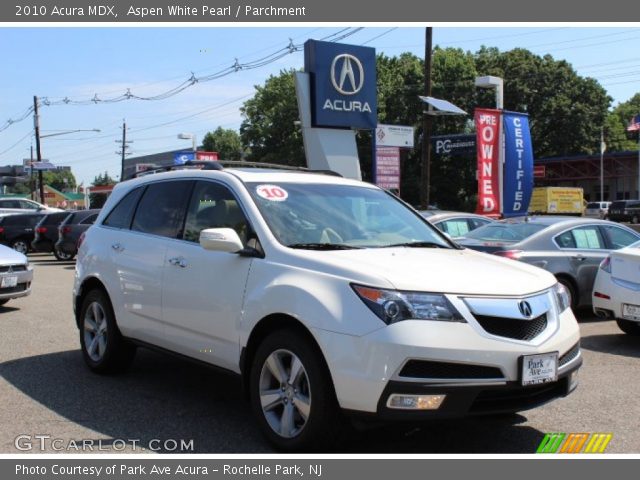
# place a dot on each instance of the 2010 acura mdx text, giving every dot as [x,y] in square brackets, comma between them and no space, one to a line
[330,297]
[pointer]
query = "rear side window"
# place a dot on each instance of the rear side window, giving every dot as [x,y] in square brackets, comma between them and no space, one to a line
[618,237]
[162,208]
[120,216]
[89,220]
[9,204]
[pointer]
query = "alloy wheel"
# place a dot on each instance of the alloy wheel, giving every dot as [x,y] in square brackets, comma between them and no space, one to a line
[95,331]
[285,393]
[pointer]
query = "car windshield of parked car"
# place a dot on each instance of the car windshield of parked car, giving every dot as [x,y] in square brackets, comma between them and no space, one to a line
[513,232]
[341,216]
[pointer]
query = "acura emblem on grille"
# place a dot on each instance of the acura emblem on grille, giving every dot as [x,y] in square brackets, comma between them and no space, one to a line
[525,309]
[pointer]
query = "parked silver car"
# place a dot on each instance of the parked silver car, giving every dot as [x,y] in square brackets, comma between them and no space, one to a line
[597,210]
[455,224]
[571,248]
[15,275]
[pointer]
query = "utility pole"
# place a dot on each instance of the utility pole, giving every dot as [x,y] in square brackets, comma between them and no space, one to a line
[32,186]
[124,145]
[36,120]
[427,120]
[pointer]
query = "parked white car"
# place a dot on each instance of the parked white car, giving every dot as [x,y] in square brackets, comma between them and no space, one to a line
[23,205]
[616,292]
[16,275]
[597,210]
[298,283]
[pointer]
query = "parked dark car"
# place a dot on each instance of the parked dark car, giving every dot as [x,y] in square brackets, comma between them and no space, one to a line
[70,230]
[625,211]
[46,234]
[17,231]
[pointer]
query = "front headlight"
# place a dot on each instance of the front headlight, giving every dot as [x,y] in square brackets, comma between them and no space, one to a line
[393,306]
[562,297]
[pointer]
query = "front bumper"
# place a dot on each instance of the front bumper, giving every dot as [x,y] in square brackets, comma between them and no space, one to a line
[22,287]
[366,370]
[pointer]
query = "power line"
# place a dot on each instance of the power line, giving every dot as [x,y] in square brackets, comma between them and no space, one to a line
[17,143]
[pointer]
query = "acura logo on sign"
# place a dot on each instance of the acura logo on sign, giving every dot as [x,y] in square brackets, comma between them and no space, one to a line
[525,309]
[344,80]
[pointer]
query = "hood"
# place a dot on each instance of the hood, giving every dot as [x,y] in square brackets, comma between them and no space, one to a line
[8,256]
[435,270]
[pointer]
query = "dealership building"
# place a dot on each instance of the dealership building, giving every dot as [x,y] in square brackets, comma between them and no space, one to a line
[620,174]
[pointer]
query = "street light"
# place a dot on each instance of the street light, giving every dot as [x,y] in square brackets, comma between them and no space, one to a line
[189,136]
[65,132]
[496,83]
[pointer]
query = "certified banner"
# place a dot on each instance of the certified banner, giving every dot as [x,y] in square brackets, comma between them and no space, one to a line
[488,153]
[518,166]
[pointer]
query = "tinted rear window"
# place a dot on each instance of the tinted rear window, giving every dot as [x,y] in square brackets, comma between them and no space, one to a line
[120,216]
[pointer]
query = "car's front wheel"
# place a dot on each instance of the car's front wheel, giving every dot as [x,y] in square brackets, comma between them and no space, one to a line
[292,394]
[103,347]
[629,327]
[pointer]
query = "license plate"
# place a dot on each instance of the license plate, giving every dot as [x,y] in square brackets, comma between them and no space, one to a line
[538,369]
[8,282]
[631,312]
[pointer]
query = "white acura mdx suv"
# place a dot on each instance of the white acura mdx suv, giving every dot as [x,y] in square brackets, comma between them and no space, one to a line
[330,297]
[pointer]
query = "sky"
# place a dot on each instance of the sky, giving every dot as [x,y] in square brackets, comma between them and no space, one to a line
[84,63]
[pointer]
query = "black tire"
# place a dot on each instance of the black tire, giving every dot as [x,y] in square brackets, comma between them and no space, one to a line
[62,256]
[4,301]
[629,327]
[324,424]
[573,298]
[114,353]
[20,245]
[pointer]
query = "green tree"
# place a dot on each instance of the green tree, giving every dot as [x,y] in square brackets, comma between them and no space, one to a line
[59,179]
[97,200]
[616,135]
[224,141]
[268,128]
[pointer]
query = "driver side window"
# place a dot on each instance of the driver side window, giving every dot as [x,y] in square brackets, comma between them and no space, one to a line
[213,206]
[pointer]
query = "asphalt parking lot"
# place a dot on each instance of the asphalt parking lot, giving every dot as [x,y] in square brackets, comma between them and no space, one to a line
[46,390]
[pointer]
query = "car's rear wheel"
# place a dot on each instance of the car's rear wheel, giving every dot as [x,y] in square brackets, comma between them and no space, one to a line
[629,327]
[62,256]
[21,246]
[103,347]
[292,394]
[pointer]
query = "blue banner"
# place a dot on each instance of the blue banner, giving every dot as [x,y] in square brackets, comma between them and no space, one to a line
[518,165]
[343,84]
[180,158]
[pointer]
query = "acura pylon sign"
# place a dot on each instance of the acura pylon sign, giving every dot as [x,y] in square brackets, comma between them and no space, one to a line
[343,84]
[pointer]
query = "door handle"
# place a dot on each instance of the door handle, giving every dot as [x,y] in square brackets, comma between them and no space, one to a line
[178,262]
[580,258]
[117,247]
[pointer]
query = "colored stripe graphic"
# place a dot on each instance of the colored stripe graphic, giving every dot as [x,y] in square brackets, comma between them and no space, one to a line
[574,443]
[598,443]
[550,443]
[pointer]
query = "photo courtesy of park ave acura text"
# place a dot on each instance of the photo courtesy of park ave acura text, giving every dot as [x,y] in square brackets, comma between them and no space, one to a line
[306,238]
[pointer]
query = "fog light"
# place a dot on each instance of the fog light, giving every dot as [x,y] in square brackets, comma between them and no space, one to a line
[573,380]
[415,402]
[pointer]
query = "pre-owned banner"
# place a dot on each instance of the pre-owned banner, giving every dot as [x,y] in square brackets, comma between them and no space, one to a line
[518,165]
[488,152]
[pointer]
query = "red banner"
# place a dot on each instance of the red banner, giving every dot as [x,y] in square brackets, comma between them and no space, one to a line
[388,168]
[488,152]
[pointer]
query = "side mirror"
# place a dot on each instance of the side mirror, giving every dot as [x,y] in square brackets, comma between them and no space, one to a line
[220,240]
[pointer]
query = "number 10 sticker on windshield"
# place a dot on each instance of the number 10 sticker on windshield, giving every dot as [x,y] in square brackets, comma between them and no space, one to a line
[272,193]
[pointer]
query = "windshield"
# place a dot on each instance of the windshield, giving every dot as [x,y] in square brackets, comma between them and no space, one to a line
[505,232]
[340,216]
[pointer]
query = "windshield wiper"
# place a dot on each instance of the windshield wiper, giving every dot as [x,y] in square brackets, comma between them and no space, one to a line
[322,246]
[417,245]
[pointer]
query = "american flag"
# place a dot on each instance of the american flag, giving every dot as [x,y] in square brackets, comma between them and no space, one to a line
[634,124]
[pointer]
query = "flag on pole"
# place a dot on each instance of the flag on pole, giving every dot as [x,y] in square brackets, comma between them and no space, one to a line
[634,124]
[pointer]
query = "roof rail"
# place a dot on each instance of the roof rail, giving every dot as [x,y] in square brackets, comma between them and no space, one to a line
[221,164]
